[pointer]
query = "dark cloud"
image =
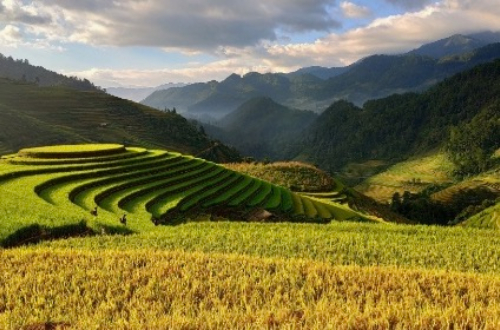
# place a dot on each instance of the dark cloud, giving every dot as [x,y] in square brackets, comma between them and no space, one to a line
[32,19]
[19,14]
[193,24]
[410,4]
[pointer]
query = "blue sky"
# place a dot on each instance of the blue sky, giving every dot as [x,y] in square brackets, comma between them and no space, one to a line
[151,42]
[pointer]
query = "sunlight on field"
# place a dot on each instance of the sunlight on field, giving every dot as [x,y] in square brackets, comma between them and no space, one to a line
[411,175]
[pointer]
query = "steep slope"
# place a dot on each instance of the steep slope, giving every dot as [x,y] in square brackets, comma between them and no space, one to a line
[31,115]
[261,127]
[23,70]
[373,77]
[400,125]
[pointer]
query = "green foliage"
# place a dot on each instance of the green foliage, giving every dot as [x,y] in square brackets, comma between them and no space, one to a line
[424,208]
[471,145]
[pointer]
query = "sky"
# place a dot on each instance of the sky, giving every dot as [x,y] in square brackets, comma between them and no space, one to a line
[152,42]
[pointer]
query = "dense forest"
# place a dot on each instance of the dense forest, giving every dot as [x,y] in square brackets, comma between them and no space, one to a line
[460,113]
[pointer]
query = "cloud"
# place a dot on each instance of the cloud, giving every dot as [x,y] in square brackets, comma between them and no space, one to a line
[352,10]
[394,34]
[192,72]
[188,25]
[10,35]
[410,4]
[12,11]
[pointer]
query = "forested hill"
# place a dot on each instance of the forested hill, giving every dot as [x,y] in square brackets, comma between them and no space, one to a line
[260,126]
[24,71]
[373,77]
[31,115]
[468,104]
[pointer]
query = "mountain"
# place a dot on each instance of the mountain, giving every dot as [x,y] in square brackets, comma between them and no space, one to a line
[31,115]
[393,128]
[487,36]
[374,77]
[320,72]
[138,94]
[24,71]
[454,45]
[260,127]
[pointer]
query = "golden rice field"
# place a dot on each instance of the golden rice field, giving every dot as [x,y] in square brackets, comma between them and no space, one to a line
[184,290]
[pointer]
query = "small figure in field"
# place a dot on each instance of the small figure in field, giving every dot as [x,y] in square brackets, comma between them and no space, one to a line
[155,220]
[123,219]
[94,212]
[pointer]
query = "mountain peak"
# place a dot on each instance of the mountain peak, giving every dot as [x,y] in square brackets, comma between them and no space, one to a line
[454,45]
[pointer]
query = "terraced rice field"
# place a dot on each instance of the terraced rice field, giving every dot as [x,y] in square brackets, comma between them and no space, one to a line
[99,184]
[489,180]
[412,175]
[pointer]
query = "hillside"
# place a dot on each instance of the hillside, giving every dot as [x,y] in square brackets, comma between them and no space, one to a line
[399,126]
[376,76]
[260,127]
[31,115]
[24,71]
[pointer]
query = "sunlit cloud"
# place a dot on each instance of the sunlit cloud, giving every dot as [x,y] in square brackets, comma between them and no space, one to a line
[352,10]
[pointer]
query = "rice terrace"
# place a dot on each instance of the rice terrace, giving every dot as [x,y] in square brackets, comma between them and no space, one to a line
[143,241]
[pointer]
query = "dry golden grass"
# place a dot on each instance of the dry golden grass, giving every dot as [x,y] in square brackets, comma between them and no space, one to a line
[179,290]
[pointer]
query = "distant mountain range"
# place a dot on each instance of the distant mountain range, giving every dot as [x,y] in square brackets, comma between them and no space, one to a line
[315,88]
[138,94]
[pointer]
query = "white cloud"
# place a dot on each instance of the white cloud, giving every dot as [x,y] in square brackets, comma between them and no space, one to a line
[352,10]
[10,33]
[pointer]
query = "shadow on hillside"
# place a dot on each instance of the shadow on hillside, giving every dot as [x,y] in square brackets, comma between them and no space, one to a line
[36,233]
